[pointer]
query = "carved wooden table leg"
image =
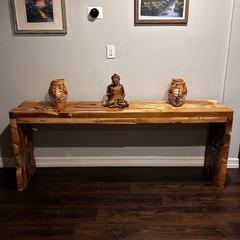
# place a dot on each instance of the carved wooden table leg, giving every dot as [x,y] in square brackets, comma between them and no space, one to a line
[217,150]
[23,147]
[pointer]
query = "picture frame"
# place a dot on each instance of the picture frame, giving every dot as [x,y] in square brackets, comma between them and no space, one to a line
[39,16]
[161,11]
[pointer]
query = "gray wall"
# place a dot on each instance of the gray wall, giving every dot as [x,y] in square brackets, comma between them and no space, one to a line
[147,57]
[232,86]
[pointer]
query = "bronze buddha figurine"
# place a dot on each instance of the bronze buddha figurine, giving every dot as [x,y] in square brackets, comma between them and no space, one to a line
[115,94]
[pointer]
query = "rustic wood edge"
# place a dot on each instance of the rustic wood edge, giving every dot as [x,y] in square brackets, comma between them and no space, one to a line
[217,151]
[222,168]
[120,120]
[23,148]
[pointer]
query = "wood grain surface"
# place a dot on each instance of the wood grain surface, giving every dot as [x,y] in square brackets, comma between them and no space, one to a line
[219,116]
[138,112]
[119,203]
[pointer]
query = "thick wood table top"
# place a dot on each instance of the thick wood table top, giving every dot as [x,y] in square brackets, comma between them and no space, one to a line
[195,111]
[92,112]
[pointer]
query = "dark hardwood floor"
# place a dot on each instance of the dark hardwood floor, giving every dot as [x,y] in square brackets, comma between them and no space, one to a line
[119,203]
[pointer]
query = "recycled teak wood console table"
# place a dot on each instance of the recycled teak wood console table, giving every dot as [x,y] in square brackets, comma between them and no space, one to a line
[219,116]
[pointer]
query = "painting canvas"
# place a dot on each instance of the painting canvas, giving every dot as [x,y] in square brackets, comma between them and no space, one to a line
[39,16]
[161,11]
[39,10]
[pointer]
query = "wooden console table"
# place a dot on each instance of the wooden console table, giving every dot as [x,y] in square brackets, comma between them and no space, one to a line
[139,112]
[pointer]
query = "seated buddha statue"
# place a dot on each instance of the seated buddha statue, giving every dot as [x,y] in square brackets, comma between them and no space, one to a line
[115,94]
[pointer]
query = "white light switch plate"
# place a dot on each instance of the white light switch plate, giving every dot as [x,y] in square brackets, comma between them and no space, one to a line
[111,51]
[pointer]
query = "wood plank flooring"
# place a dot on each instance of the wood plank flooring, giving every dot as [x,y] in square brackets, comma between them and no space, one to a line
[119,203]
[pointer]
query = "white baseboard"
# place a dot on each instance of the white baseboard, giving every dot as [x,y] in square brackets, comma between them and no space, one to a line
[134,161]
[233,163]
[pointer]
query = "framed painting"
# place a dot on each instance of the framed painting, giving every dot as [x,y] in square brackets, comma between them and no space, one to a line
[161,11]
[39,16]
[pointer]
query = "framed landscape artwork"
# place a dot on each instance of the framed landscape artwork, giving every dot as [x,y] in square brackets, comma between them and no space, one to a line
[39,16]
[161,11]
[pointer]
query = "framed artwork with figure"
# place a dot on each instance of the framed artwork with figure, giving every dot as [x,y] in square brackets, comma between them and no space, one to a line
[161,11]
[39,16]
